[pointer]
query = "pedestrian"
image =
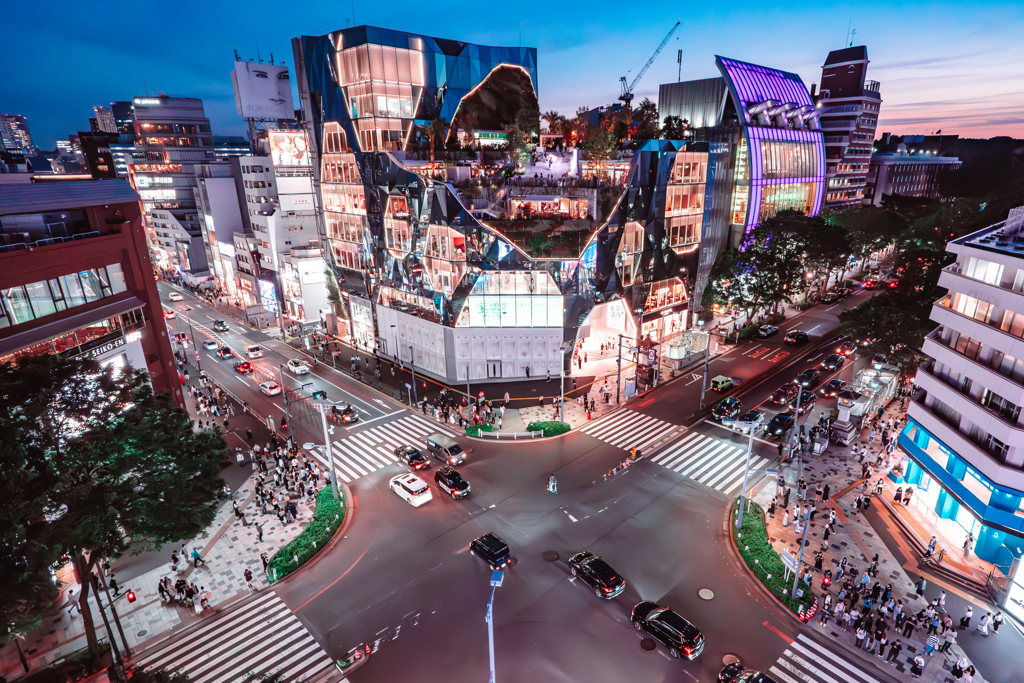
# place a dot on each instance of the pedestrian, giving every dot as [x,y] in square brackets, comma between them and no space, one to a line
[997,621]
[785,498]
[949,639]
[932,644]
[983,624]
[907,495]
[894,652]
[162,590]
[248,578]
[861,635]
[266,562]
[921,585]
[960,667]
[259,533]
[931,543]
[942,601]
[248,433]
[824,493]
[785,517]
[909,625]
[73,603]
[917,668]
[197,559]
[965,620]
[968,546]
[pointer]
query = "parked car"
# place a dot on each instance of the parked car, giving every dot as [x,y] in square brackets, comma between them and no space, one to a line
[225,352]
[270,388]
[784,393]
[736,673]
[298,366]
[830,298]
[833,362]
[832,388]
[175,296]
[795,337]
[220,326]
[807,401]
[451,482]
[743,424]
[780,424]
[766,331]
[345,412]
[726,408]
[682,638]
[210,345]
[412,457]
[491,549]
[411,489]
[243,368]
[809,377]
[846,348]
[596,573]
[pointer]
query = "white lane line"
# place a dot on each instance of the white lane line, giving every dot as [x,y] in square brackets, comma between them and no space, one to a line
[673,448]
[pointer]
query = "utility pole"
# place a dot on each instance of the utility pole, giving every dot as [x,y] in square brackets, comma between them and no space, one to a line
[800,557]
[192,336]
[412,368]
[496,578]
[707,359]
[796,418]
[118,658]
[746,473]
[323,408]
[561,377]
[618,372]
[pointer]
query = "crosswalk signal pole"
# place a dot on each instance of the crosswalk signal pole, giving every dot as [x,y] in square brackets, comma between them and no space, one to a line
[746,473]
[323,408]
[618,373]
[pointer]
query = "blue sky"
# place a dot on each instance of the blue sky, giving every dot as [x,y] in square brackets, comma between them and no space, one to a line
[950,66]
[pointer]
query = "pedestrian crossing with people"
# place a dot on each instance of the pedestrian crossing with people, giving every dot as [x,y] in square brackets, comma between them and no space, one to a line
[627,428]
[807,661]
[260,637]
[712,462]
[372,449]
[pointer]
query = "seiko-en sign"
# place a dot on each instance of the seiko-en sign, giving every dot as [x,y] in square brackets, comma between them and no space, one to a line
[109,346]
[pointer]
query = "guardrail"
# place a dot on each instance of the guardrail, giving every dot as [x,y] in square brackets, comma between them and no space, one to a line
[512,435]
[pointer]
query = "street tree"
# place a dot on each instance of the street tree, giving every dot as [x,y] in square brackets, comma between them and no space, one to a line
[645,117]
[674,128]
[600,144]
[95,465]
[827,251]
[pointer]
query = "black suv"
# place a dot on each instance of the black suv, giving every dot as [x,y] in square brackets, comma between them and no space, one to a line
[411,456]
[726,408]
[795,337]
[451,482]
[220,326]
[833,362]
[807,401]
[596,573]
[225,352]
[682,638]
[809,377]
[491,550]
[737,673]
[779,424]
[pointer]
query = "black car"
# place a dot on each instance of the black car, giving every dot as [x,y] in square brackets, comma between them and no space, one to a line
[833,362]
[766,331]
[780,424]
[809,377]
[220,326]
[784,393]
[832,388]
[736,673]
[795,337]
[830,298]
[807,401]
[491,549]
[224,352]
[682,638]
[596,573]
[727,407]
[411,456]
[345,412]
[243,368]
[451,482]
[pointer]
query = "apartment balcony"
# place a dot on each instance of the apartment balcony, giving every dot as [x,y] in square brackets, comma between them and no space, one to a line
[974,370]
[838,125]
[987,335]
[952,278]
[966,405]
[1004,474]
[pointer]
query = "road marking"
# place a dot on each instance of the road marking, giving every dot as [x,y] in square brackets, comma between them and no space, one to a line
[811,360]
[813,328]
[777,357]
[759,353]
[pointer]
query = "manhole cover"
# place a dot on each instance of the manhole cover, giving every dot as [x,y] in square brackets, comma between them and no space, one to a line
[706,593]
[549,556]
[729,659]
[648,644]
[141,633]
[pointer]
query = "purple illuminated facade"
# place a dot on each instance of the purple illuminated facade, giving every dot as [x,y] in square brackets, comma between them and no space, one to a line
[780,163]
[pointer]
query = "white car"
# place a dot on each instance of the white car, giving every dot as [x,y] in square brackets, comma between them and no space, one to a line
[270,388]
[743,423]
[210,345]
[174,296]
[298,366]
[411,489]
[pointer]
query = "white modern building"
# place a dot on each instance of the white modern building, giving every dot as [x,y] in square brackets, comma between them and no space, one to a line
[964,440]
[218,202]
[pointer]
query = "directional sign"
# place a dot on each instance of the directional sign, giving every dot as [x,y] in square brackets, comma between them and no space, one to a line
[307,386]
[788,560]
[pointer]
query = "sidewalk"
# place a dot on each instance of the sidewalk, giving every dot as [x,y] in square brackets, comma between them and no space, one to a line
[855,540]
[229,546]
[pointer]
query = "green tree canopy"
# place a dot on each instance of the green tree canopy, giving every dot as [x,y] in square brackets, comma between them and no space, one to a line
[674,128]
[646,119]
[94,463]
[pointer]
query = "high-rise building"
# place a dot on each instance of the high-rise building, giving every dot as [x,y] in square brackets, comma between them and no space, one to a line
[124,117]
[15,136]
[105,120]
[219,205]
[848,107]
[964,438]
[173,136]
[910,166]
[76,278]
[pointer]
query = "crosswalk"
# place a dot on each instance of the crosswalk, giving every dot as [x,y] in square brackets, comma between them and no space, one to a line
[806,661]
[712,462]
[627,428]
[371,449]
[260,637]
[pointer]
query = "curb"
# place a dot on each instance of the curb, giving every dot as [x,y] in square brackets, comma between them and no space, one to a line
[350,509]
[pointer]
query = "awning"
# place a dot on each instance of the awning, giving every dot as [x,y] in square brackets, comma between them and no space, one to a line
[47,331]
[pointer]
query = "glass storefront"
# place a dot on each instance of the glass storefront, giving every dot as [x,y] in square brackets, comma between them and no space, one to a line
[28,302]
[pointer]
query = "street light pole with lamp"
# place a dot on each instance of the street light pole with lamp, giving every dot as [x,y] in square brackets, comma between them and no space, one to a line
[192,336]
[322,408]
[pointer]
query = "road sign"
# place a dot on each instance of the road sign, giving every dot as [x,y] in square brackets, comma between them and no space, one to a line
[496,577]
[788,560]
[772,473]
[653,355]
[307,386]
[408,386]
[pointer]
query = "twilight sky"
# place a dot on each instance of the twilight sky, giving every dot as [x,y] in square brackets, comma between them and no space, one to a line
[950,66]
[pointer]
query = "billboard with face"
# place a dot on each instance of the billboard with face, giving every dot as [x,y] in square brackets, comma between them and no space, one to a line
[262,91]
[288,148]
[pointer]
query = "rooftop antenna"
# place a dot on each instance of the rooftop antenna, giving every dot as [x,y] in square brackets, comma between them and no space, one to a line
[353,13]
[146,87]
[853,36]
[848,27]
[271,59]
[237,59]
[258,53]
[679,60]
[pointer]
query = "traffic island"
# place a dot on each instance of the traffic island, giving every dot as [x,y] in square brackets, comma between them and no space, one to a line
[328,517]
[550,428]
[752,544]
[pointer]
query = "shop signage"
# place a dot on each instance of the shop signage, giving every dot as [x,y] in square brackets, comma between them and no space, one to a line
[105,348]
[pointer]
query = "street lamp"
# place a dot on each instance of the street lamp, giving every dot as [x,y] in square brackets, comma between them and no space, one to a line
[323,408]
[284,392]
[192,336]
[496,579]
[707,359]
[561,374]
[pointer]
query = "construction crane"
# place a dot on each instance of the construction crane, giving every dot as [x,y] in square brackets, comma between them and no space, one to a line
[627,88]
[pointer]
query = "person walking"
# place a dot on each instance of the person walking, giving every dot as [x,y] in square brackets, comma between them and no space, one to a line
[248,578]
[949,640]
[931,645]
[259,533]
[894,652]
[984,623]
[965,620]
[73,603]
[968,546]
[266,562]
[197,559]
[997,621]
[917,668]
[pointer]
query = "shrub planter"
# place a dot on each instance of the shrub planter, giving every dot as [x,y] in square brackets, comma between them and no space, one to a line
[549,428]
[327,519]
[751,541]
[476,429]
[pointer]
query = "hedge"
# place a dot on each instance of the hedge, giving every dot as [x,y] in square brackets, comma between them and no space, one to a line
[762,559]
[550,428]
[327,518]
[476,429]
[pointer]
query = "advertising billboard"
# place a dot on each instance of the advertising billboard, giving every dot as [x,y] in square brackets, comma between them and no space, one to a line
[289,148]
[262,91]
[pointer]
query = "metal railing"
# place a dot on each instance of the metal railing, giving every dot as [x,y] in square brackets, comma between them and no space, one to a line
[512,435]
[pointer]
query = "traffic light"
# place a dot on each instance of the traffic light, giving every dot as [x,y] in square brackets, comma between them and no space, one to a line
[131,596]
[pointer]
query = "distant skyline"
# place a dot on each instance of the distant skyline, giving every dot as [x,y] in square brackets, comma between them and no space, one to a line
[942,66]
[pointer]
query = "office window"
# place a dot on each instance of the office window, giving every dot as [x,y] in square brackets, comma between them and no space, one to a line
[40,298]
